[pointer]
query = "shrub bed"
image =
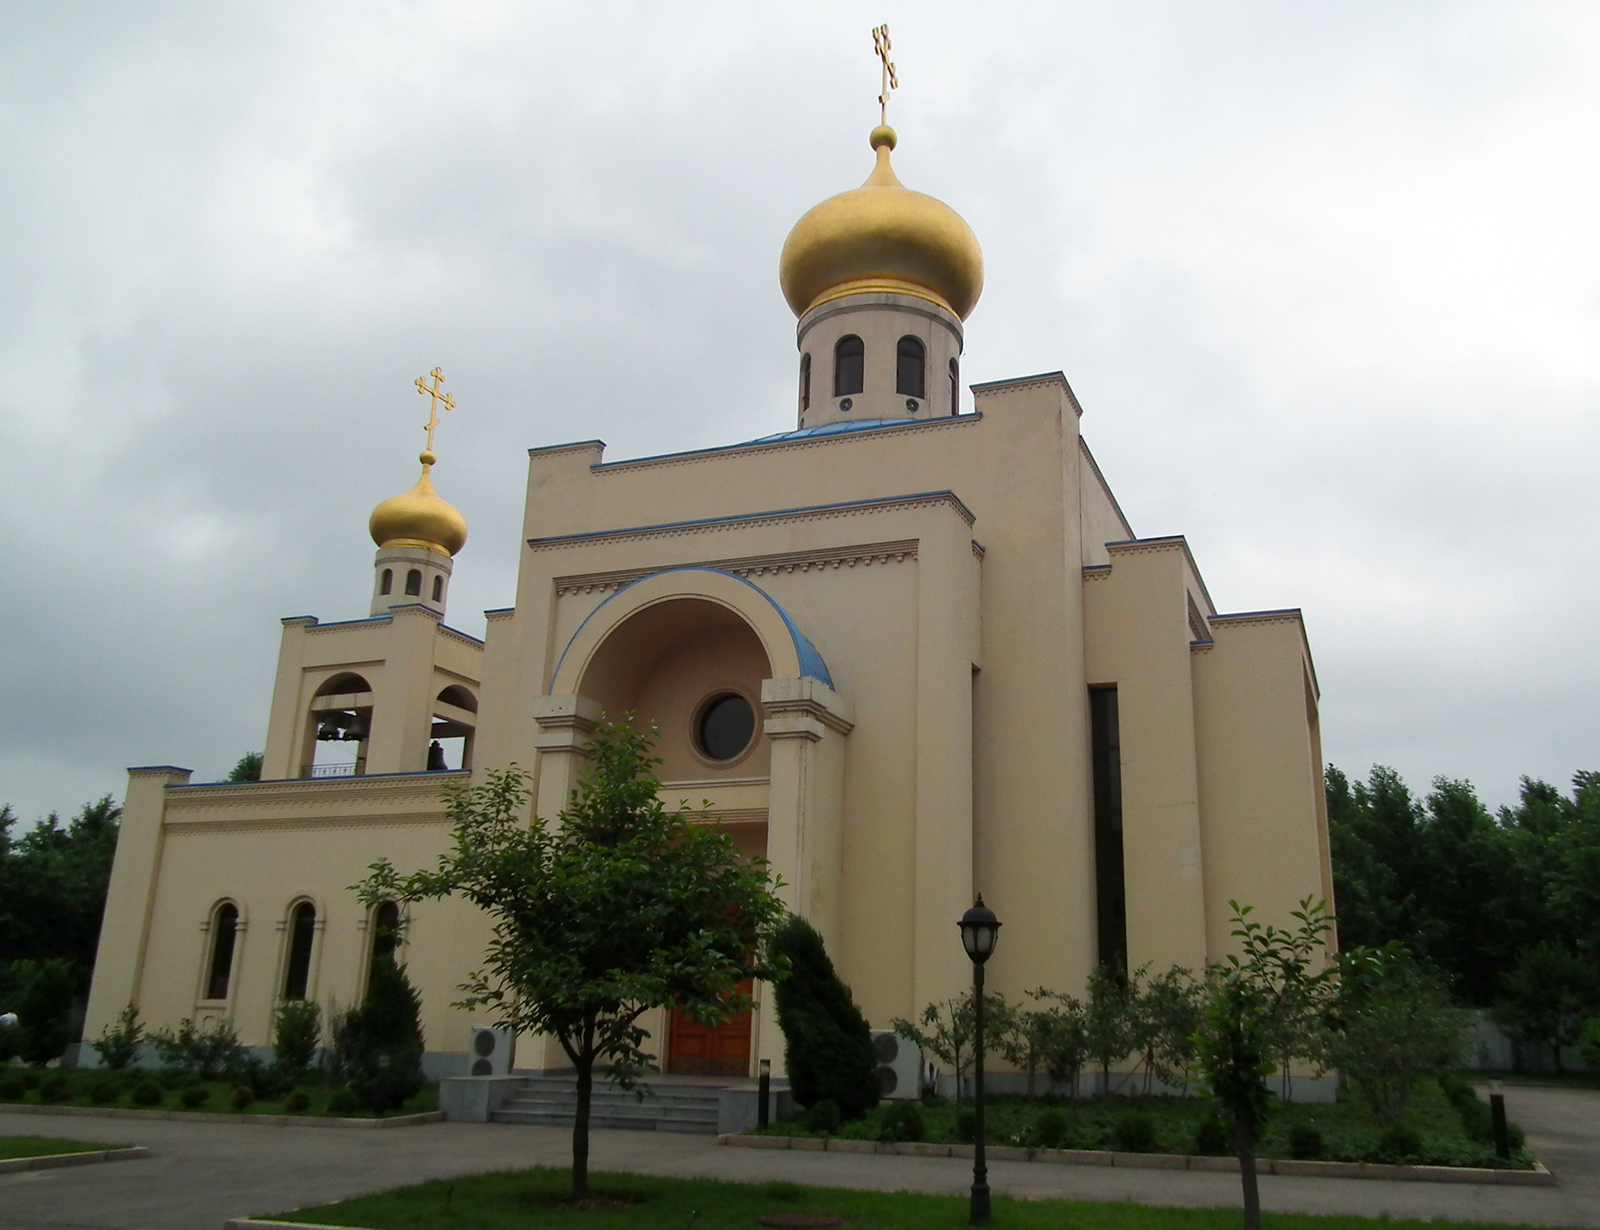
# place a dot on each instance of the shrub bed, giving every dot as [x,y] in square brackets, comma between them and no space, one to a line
[1440,1129]
[174,1089]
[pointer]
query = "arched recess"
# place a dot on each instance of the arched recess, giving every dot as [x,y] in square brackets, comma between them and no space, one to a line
[340,715]
[670,644]
[302,927]
[454,728]
[224,931]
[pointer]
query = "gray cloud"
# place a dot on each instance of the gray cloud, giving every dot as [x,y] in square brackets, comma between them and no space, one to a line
[1323,275]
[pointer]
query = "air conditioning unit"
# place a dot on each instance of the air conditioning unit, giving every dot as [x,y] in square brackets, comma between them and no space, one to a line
[899,1065]
[490,1051]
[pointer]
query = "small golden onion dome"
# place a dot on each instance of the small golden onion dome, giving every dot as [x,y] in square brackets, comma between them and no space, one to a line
[882,236]
[419,518]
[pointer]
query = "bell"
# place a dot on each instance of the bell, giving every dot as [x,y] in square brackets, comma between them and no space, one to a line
[329,731]
[357,730]
[436,762]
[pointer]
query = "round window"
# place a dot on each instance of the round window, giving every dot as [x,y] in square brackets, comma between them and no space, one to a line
[726,726]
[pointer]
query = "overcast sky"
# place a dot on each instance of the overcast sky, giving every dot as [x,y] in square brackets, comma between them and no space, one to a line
[1323,275]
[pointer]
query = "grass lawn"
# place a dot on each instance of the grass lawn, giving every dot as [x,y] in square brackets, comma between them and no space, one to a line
[1345,1129]
[44,1146]
[28,1086]
[532,1200]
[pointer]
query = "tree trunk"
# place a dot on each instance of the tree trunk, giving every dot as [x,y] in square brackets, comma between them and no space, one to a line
[580,1125]
[1244,1148]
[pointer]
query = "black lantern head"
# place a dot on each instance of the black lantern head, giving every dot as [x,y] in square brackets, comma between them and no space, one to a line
[979,931]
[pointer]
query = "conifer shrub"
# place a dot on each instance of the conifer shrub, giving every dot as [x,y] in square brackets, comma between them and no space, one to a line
[382,1041]
[901,1121]
[298,1102]
[823,1116]
[1211,1138]
[105,1091]
[1050,1129]
[1399,1143]
[342,1102]
[56,1089]
[195,1096]
[1135,1133]
[147,1093]
[827,1044]
[1305,1142]
[242,1098]
[12,1087]
[967,1125]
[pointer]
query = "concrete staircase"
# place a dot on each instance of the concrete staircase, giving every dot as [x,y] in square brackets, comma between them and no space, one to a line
[664,1107]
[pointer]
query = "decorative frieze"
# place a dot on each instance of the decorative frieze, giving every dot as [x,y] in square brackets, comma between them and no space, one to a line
[864,556]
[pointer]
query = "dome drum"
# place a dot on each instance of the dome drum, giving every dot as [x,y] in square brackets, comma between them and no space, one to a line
[410,574]
[878,356]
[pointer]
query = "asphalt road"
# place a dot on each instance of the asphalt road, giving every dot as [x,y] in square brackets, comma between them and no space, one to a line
[199,1175]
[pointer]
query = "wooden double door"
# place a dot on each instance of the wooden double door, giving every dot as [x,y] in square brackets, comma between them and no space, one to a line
[697,1049]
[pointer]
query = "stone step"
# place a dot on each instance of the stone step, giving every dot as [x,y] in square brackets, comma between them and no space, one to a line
[667,1108]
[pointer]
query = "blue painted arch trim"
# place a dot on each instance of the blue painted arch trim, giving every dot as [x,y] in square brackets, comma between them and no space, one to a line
[811,664]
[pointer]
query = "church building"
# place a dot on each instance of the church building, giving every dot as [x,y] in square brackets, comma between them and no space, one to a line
[907,649]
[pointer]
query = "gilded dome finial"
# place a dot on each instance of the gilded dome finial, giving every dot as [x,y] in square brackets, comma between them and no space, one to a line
[882,237]
[880,47]
[420,517]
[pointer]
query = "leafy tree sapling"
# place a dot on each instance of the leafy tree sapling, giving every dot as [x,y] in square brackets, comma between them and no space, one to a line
[619,907]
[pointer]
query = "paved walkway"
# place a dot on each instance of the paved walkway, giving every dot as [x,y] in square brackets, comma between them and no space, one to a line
[198,1175]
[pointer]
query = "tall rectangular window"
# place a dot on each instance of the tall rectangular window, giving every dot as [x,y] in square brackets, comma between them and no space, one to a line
[1111,896]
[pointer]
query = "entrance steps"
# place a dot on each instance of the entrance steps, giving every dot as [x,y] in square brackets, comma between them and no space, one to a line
[665,1106]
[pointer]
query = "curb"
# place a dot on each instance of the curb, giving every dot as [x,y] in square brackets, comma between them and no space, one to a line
[252,1223]
[50,1161]
[200,1116]
[1537,1177]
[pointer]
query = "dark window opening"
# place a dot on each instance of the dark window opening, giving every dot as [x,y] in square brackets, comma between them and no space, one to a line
[805,383]
[438,589]
[910,366]
[849,366]
[302,930]
[414,583]
[955,387]
[1111,895]
[387,584]
[224,933]
[385,936]
[726,726]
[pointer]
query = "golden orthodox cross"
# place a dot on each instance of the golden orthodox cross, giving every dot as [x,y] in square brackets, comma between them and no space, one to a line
[880,46]
[433,406]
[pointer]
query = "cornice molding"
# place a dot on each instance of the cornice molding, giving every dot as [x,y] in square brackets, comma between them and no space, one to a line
[452,634]
[1289,615]
[820,512]
[312,791]
[746,450]
[302,824]
[1096,572]
[864,555]
[578,446]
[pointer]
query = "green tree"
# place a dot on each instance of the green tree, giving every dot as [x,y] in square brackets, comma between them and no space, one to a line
[1395,1025]
[53,883]
[41,994]
[118,1046]
[296,1033]
[381,1041]
[1169,1008]
[1109,1025]
[248,769]
[619,908]
[1548,996]
[827,1042]
[1253,998]
[948,1029]
[1068,1048]
[1034,1036]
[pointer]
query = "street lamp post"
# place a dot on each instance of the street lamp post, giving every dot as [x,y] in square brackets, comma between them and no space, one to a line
[979,931]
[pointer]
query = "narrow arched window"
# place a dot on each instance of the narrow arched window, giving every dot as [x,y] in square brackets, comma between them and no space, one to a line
[224,934]
[849,366]
[438,589]
[955,387]
[302,930]
[385,936]
[911,358]
[387,584]
[805,382]
[414,583]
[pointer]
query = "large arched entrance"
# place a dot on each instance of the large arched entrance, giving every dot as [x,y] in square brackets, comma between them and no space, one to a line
[692,667]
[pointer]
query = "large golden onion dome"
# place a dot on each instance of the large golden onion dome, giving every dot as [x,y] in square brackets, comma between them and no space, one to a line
[419,518]
[882,236]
